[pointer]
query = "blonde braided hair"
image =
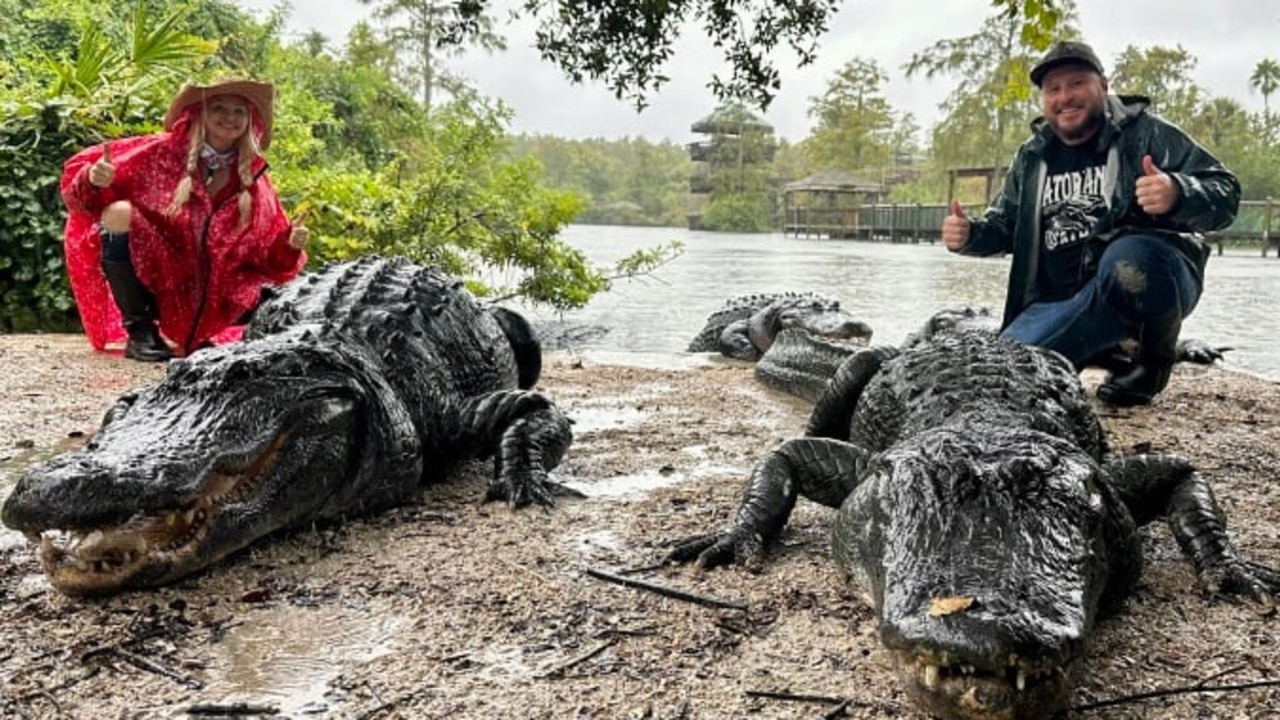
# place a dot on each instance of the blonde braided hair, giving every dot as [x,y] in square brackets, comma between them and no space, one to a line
[246,150]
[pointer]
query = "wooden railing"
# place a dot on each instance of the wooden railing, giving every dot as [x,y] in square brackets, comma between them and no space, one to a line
[922,222]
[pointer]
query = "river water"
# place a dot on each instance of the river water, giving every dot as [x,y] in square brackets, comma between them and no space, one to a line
[894,288]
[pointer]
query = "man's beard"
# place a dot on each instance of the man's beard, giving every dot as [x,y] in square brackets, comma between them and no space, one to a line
[1092,121]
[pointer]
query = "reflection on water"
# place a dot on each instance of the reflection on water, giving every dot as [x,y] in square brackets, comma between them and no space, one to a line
[891,287]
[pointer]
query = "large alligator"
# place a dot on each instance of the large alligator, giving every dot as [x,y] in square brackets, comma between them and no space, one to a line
[799,339]
[353,386]
[981,510]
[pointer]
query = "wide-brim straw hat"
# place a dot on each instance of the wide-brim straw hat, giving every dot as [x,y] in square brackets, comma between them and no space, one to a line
[261,95]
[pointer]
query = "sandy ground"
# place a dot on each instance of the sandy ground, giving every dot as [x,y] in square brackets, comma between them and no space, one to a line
[456,609]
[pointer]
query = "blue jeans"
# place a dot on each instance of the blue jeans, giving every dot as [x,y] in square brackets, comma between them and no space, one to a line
[1140,279]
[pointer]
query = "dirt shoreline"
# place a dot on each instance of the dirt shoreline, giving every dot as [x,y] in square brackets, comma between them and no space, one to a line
[452,608]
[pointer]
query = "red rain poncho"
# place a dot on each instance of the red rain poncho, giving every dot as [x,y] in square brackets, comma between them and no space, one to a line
[204,267]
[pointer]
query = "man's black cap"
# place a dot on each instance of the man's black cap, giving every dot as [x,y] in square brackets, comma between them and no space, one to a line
[1067,52]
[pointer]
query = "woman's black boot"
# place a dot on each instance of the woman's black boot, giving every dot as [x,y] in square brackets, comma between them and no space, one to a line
[138,308]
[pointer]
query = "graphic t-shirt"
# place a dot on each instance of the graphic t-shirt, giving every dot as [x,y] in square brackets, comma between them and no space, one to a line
[1072,203]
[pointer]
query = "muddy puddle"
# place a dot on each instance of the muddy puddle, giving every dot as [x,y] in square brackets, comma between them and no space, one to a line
[286,656]
[641,483]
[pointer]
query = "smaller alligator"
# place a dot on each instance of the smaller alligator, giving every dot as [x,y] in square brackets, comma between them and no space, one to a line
[980,508]
[746,327]
[799,339]
[353,386]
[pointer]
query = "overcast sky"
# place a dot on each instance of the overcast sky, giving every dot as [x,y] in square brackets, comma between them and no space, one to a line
[1228,38]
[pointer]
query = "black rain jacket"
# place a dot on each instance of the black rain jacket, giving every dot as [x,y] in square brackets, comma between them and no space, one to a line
[1208,199]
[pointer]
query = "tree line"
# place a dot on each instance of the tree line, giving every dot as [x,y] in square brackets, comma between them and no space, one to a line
[987,114]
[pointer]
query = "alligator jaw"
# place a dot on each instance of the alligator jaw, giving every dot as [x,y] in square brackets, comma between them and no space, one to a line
[104,560]
[1020,691]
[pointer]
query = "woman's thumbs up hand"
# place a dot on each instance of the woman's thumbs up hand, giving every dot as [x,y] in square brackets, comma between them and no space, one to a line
[298,232]
[102,172]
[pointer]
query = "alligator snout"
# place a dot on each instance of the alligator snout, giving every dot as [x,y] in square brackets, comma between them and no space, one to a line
[972,664]
[47,496]
[80,490]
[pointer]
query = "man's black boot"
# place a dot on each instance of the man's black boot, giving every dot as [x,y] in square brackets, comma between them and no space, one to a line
[1114,360]
[1157,353]
[138,308]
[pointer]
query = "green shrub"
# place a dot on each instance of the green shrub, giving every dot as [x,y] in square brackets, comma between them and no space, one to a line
[35,140]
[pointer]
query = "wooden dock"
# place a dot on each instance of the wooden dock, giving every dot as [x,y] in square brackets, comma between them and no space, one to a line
[922,223]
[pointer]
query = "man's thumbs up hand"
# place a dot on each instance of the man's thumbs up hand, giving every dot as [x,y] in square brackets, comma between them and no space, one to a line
[955,228]
[102,172]
[1154,190]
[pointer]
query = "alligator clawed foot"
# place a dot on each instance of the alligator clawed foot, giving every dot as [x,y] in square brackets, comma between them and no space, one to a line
[1199,352]
[1256,584]
[690,548]
[1265,597]
[720,548]
[519,492]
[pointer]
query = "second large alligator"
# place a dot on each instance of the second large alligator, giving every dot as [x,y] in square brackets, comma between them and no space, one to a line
[981,510]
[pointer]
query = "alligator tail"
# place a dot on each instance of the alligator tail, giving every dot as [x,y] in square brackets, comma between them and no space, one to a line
[524,343]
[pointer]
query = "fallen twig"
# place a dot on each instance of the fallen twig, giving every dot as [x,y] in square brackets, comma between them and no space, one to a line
[1223,673]
[792,697]
[666,591]
[231,709]
[145,664]
[1184,690]
[838,710]
[841,704]
[579,659]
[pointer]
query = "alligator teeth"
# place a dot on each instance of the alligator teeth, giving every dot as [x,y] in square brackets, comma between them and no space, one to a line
[47,548]
[931,676]
[1022,681]
[171,519]
[91,541]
